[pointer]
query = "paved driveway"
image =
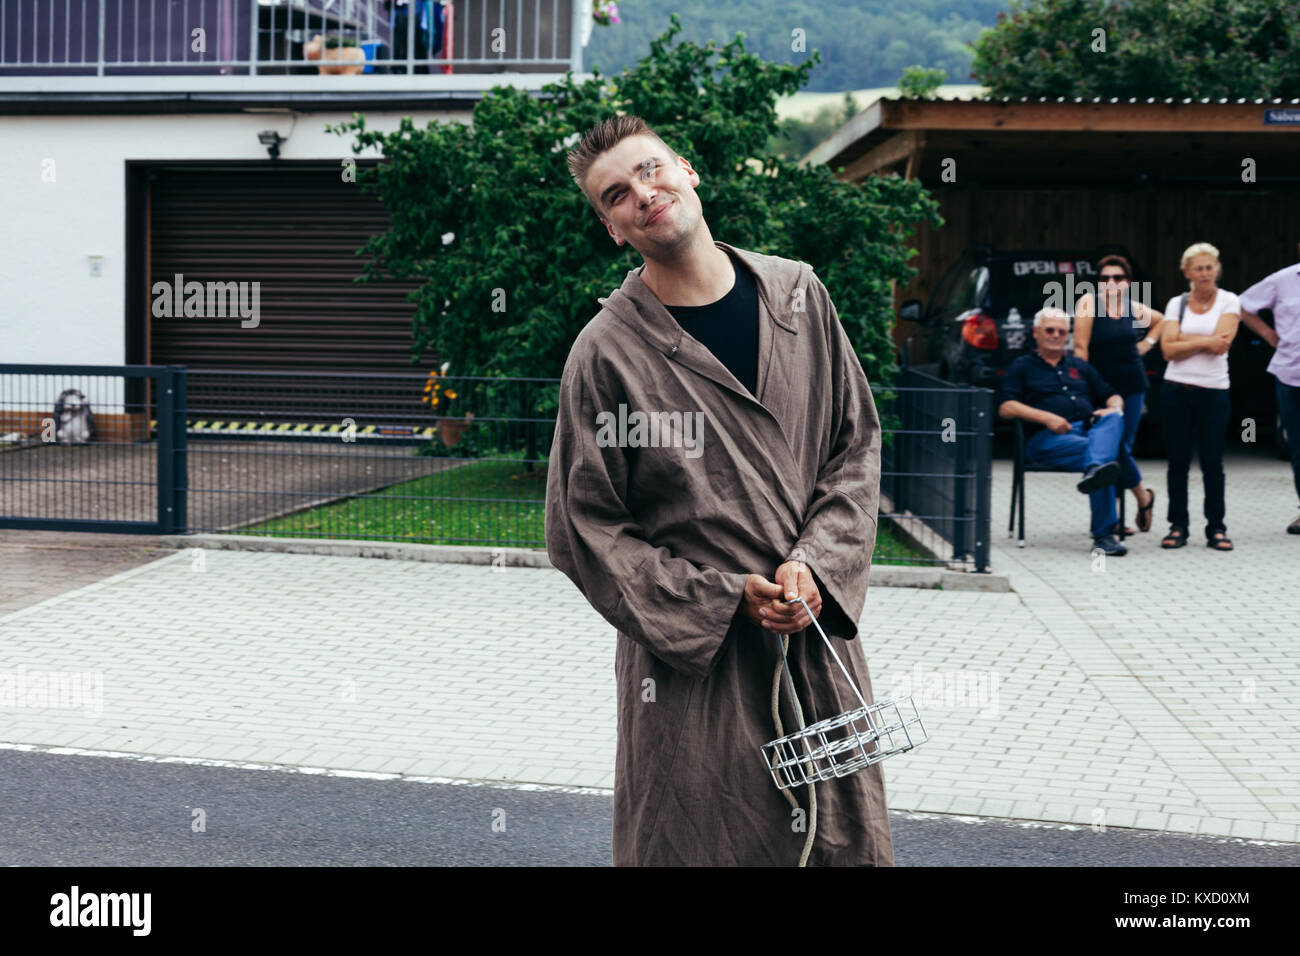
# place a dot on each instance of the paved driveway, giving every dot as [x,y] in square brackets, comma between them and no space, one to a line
[1158,690]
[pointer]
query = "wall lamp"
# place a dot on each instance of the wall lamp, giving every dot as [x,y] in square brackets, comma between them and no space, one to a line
[271,140]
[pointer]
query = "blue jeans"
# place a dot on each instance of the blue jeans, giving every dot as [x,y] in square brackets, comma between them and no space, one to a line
[1132,477]
[1288,402]
[1079,452]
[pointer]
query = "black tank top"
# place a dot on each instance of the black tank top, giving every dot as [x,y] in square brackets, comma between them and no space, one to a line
[1112,349]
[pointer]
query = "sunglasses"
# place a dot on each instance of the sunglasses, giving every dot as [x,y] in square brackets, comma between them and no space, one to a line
[1055,331]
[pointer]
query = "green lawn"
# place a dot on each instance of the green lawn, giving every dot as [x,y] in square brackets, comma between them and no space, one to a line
[412,511]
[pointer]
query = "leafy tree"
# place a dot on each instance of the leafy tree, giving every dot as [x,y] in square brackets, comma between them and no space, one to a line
[918,83]
[1143,48]
[506,293]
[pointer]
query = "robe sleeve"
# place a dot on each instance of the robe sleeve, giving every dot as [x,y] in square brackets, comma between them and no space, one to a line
[679,611]
[839,525]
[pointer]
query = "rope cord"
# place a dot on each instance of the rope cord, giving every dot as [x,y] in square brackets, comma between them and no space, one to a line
[780,732]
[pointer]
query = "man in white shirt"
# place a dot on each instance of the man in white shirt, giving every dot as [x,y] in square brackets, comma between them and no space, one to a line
[1281,293]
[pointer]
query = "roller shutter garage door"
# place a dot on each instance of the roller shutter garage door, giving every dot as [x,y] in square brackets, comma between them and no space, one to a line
[295,230]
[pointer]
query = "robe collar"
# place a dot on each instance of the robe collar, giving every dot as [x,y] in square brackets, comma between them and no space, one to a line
[777,279]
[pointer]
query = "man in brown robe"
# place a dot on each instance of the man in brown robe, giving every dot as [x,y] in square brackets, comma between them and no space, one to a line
[689,510]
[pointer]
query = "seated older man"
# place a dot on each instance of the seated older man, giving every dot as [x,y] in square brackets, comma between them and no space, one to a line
[1060,397]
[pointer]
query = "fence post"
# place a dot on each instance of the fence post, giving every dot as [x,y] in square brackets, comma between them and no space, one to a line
[166,450]
[575,36]
[99,71]
[253,23]
[180,453]
[412,14]
[960,408]
[982,423]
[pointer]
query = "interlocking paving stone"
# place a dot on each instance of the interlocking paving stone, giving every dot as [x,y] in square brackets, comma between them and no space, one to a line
[1159,693]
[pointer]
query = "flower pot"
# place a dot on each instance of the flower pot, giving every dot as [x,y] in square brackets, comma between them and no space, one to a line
[345,60]
[450,430]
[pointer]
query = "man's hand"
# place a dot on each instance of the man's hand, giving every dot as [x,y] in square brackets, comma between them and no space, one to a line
[1269,335]
[765,603]
[1106,410]
[1056,424]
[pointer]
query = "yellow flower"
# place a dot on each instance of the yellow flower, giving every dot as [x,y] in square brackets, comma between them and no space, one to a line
[450,393]
[435,401]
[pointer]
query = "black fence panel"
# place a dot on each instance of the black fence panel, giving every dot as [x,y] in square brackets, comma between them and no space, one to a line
[399,457]
[436,459]
[936,466]
[78,451]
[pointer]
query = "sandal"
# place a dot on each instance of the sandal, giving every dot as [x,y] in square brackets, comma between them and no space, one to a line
[1176,538]
[1218,540]
[1144,511]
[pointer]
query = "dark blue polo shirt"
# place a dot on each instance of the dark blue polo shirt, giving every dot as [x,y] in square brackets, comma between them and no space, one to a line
[1071,388]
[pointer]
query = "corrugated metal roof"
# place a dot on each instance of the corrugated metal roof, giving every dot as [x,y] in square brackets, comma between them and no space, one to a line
[1169,100]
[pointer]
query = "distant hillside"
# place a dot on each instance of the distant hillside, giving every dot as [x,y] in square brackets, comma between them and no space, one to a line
[862,44]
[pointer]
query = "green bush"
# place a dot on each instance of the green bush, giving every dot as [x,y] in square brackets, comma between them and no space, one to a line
[506,293]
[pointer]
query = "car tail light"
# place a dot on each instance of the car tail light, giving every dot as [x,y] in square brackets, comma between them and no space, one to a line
[980,331]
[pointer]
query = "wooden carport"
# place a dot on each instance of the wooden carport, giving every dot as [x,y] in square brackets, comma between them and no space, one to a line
[1153,175]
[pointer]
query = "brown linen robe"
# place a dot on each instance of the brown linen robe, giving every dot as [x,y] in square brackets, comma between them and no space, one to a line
[660,543]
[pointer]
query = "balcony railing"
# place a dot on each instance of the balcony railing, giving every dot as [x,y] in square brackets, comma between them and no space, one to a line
[288,37]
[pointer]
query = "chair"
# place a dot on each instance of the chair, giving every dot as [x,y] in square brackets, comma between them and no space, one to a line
[1019,466]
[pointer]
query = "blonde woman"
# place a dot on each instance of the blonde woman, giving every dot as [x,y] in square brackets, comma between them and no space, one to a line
[1114,345]
[1195,337]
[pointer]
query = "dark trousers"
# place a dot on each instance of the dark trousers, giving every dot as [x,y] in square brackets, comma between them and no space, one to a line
[1288,402]
[1195,417]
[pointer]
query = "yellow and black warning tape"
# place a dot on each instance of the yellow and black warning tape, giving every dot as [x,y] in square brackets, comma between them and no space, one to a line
[300,429]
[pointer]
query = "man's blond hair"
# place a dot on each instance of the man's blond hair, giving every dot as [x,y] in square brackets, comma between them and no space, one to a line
[601,138]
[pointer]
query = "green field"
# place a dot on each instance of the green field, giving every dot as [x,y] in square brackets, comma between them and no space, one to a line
[505,509]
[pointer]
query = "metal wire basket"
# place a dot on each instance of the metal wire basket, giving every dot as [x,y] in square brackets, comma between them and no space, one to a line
[846,743]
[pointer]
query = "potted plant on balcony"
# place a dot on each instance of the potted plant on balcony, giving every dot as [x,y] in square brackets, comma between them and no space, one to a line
[440,399]
[347,55]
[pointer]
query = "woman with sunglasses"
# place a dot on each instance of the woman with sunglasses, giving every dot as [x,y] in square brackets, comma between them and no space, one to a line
[1114,345]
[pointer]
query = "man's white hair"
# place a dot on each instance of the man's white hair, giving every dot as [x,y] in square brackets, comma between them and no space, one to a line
[1051,312]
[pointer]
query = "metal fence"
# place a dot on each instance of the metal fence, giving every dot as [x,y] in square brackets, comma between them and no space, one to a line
[80,450]
[415,457]
[250,37]
[936,479]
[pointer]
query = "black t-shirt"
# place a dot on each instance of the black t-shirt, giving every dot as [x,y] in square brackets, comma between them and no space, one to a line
[1071,388]
[729,327]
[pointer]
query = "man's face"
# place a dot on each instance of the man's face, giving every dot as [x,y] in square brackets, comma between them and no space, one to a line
[645,197]
[1051,334]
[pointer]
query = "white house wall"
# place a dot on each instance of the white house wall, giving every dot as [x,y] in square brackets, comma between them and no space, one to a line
[64,185]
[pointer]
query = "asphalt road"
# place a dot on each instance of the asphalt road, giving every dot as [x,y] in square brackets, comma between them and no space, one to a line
[60,810]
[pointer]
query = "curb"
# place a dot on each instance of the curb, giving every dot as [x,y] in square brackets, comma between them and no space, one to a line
[888,576]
